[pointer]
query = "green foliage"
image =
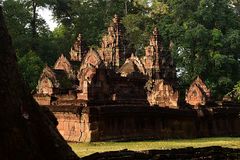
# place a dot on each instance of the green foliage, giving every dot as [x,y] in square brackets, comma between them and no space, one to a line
[62,40]
[236,91]
[30,66]
[237,88]
[138,29]
[90,17]
[152,7]
[206,42]
[47,45]
[18,21]
[236,4]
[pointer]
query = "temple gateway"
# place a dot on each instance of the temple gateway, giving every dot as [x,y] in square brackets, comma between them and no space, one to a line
[111,93]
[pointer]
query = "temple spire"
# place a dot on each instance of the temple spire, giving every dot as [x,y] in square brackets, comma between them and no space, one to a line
[113,51]
[77,51]
[156,48]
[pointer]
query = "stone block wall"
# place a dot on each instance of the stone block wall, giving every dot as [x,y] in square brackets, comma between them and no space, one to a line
[139,123]
[73,122]
[43,99]
[69,125]
[129,123]
[119,123]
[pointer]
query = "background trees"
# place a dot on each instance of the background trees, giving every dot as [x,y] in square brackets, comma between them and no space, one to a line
[207,44]
[204,34]
[30,66]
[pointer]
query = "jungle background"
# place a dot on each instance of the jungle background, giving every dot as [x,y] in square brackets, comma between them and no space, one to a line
[204,34]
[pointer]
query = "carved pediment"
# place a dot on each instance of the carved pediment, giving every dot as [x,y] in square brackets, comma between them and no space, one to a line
[92,58]
[132,64]
[198,93]
[45,86]
[48,72]
[63,64]
[88,68]
[47,81]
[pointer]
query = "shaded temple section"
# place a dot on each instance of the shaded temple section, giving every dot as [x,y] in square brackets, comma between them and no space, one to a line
[27,131]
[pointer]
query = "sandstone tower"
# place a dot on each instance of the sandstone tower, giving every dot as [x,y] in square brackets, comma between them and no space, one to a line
[113,50]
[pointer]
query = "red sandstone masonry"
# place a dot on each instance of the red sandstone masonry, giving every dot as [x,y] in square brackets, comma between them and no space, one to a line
[84,124]
[100,75]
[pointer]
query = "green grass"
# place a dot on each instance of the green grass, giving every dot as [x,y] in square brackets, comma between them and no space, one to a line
[84,149]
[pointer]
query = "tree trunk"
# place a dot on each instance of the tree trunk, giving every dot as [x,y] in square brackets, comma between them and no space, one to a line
[34,26]
[25,131]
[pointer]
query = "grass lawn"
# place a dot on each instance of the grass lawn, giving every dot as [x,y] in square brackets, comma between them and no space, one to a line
[84,149]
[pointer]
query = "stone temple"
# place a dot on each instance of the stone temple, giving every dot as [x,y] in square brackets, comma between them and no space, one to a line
[111,74]
[111,93]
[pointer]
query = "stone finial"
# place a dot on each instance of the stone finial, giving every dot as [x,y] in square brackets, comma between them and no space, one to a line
[62,56]
[79,38]
[155,39]
[76,49]
[132,55]
[155,31]
[171,45]
[116,19]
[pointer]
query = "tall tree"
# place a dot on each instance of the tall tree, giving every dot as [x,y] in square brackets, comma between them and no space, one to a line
[40,40]
[30,66]
[138,30]
[90,17]
[25,25]
[36,21]
[207,44]
[18,21]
